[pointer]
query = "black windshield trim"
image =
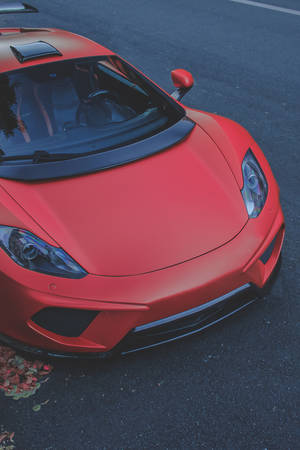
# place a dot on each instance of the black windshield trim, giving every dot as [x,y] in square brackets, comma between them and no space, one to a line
[100,161]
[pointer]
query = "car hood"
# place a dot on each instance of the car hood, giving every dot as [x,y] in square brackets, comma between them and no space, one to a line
[143,216]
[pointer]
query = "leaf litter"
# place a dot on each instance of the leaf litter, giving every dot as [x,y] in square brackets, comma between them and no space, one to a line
[19,377]
[6,440]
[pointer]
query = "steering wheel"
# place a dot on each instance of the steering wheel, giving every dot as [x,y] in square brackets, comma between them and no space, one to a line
[86,104]
[96,93]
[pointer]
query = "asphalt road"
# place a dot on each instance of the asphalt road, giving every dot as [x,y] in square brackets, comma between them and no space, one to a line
[235,386]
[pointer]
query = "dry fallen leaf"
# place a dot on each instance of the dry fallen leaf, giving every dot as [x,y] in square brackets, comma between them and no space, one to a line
[37,407]
[7,440]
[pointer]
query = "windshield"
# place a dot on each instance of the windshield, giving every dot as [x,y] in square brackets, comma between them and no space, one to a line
[78,107]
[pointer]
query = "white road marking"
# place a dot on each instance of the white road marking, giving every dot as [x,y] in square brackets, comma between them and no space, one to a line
[266,6]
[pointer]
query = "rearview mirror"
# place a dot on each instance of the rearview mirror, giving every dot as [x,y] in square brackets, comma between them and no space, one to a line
[183,81]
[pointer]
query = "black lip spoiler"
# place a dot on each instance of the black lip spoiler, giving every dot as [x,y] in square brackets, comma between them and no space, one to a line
[16,7]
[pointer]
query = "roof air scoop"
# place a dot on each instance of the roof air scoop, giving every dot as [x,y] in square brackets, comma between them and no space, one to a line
[34,50]
[16,7]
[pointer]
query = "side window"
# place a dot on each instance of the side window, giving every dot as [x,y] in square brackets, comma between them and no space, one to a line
[111,64]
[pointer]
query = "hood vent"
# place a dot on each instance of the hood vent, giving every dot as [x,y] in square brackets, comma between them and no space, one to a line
[34,50]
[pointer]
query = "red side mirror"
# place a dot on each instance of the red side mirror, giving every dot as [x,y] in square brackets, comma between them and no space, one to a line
[183,81]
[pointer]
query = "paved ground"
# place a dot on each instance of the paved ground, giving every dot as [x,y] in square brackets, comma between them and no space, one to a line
[237,385]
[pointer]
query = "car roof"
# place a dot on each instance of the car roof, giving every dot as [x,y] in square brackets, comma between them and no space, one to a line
[70,46]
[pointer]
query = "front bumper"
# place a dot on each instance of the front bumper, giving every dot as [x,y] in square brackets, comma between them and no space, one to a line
[173,327]
[196,319]
[126,307]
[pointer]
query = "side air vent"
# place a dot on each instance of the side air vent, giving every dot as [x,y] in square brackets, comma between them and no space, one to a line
[34,50]
[16,31]
[32,30]
[16,7]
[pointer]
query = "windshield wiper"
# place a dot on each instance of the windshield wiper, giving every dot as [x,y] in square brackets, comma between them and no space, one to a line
[39,156]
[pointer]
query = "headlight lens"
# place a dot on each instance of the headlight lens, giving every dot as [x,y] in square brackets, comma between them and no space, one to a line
[255,188]
[31,252]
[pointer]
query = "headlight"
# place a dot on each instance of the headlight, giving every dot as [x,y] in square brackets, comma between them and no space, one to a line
[31,252]
[255,188]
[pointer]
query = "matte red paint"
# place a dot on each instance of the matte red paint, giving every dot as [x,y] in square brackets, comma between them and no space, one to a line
[157,236]
[70,45]
[182,78]
[157,210]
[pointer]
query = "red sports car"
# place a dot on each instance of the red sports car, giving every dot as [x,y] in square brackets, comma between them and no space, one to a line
[126,219]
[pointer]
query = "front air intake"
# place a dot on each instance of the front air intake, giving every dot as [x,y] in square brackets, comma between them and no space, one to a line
[64,321]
